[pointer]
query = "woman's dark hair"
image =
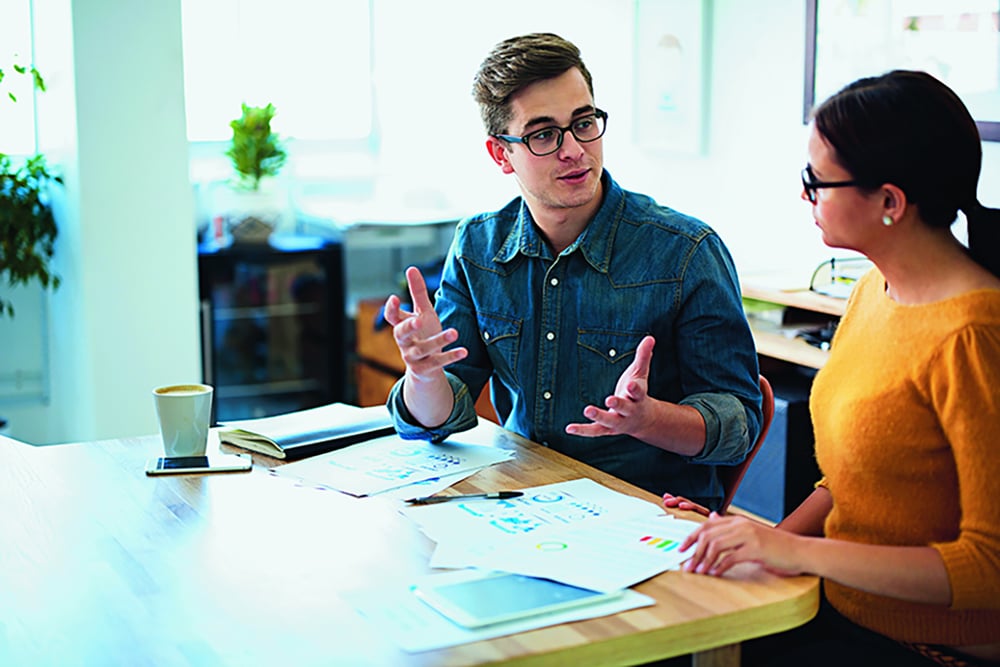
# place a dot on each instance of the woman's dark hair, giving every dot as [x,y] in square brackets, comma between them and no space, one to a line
[909,129]
[516,63]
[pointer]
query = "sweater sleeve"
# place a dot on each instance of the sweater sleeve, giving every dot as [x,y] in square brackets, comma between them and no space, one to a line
[964,390]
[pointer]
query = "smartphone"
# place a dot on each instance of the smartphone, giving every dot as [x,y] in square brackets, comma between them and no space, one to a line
[500,596]
[180,465]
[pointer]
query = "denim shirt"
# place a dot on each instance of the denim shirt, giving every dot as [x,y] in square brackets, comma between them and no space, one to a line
[555,333]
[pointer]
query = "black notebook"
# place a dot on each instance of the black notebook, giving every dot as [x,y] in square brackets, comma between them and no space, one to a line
[296,435]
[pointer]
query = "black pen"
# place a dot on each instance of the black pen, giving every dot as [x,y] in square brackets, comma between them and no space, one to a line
[495,495]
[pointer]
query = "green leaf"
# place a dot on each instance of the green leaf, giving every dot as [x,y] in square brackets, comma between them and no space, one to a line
[39,82]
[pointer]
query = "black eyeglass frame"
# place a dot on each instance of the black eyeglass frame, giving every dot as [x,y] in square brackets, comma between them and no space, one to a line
[597,114]
[810,185]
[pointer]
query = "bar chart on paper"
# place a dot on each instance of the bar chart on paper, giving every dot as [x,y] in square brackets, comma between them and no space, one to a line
[662,543]
[601,555]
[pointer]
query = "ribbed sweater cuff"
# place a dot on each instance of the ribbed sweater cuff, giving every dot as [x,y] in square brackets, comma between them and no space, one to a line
[966,576]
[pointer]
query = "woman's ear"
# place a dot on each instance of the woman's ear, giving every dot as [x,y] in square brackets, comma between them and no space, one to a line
[500,153]
[894,202]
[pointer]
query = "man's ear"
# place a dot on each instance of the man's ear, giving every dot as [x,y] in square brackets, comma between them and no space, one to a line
[500,153]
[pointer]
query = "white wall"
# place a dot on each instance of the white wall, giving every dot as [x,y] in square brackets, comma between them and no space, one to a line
[746,184]
[125,318]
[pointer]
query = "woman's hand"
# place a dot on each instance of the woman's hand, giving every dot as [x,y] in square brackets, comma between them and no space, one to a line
[722,542]
[681,503]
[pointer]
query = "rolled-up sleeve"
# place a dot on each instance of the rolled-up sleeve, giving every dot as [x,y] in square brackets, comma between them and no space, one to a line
[727,436]
[462,417]
[719,358]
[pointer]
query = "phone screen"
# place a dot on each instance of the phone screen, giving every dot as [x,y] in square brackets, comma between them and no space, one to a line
[494,599]
[174,462]
[165,465]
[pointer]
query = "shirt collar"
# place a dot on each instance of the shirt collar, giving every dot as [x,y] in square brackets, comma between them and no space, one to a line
[595,242]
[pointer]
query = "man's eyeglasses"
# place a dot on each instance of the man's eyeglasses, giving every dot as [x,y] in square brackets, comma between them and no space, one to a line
[548,139]
[811,185]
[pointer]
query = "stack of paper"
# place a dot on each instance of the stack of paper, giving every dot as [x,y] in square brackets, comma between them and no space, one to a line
[577,532]
[389,463]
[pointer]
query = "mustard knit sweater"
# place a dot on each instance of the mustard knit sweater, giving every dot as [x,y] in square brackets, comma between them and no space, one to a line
[906,415]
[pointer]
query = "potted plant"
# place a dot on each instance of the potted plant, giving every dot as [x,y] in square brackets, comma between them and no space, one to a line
[256,154]
[255,151]
[27,226]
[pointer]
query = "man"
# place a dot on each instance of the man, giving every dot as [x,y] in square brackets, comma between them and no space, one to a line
[561,296]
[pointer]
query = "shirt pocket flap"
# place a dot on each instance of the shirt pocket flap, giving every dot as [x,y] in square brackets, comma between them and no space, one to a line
[614,347]
[494,328]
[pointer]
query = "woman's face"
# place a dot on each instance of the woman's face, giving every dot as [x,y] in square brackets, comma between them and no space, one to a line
[848,217]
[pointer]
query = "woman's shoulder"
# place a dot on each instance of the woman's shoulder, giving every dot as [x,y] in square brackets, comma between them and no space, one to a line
[980,305]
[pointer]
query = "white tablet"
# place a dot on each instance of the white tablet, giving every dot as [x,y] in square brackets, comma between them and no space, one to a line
[501,596]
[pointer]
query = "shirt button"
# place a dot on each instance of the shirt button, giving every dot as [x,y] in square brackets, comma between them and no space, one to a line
[612,352]
[550,336]
[554,282]
[486,335]
[547,395]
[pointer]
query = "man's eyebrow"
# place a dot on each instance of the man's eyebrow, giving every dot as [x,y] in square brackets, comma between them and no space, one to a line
[549,121]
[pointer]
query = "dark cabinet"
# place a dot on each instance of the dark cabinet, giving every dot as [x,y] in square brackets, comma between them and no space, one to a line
[272,325]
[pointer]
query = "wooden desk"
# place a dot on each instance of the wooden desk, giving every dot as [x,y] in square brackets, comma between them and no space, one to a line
[100,564]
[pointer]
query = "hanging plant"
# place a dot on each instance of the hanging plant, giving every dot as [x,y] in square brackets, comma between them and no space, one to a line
[27,226]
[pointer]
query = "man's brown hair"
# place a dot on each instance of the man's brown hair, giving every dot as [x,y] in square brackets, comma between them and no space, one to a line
[516,63]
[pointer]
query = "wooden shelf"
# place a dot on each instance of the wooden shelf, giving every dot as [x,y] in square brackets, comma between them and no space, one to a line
[792,350]
[777,345]
[797,298]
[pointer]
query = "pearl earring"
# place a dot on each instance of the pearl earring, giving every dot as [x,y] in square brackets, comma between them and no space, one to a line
[887,221]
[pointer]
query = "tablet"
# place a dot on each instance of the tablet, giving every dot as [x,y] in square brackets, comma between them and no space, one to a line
[501,596]
[186,465]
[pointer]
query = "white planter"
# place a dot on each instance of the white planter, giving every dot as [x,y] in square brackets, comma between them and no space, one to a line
[252,215]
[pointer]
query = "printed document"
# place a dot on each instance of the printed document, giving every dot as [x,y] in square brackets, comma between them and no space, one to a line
[578,532]
[390,462]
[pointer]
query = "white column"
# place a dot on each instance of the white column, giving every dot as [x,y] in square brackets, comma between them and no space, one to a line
[126,316]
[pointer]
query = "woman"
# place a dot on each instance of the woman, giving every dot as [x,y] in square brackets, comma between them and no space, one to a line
[904,528]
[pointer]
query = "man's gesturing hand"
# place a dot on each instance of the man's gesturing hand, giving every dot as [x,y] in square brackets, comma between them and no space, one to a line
[419,335]
[629,409]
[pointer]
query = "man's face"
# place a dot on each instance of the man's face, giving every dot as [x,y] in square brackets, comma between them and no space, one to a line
[569,178]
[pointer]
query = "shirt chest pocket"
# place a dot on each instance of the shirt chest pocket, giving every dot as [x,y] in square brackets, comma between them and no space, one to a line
[502,337]
[602,357]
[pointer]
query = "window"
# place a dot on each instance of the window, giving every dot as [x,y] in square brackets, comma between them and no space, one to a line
[958,42]
[306,58]
[17,121]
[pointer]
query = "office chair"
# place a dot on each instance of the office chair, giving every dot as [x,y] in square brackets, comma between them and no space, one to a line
[731,476]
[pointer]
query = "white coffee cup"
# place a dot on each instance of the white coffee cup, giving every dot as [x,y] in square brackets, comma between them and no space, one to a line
[184,411]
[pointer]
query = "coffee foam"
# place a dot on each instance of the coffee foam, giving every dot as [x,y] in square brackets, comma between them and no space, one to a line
[182,390]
